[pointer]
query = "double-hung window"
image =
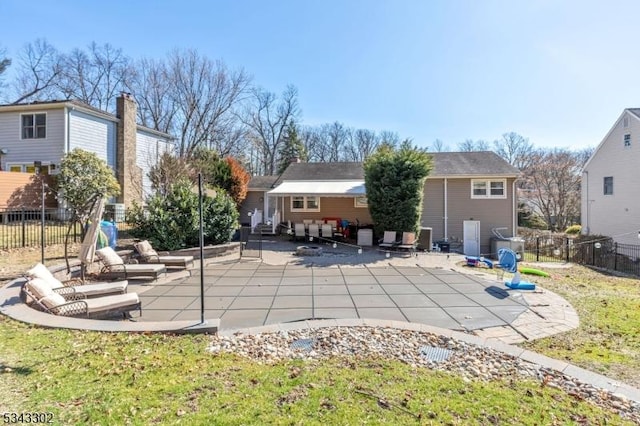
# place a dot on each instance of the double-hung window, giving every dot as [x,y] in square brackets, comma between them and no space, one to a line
[305,203]
[627,140]
[34,126]
[488,188]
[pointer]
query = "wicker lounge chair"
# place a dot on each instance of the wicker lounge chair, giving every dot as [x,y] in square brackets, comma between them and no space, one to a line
[41,276]
[149,255]
[114,266]
[100,307]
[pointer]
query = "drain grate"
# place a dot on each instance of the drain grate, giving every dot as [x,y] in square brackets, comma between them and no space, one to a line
[434,353]
[302,344]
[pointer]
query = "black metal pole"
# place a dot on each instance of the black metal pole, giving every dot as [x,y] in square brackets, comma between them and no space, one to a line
[42,225]
[201,249]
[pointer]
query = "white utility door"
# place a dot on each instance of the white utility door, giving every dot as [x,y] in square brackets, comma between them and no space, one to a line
[471,237]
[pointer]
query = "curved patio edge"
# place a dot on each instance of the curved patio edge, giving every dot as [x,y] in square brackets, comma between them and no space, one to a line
[571,370]
[12,306]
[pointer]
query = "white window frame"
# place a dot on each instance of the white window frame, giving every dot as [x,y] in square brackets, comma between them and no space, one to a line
[305,203]
[33,114]
[360,202]
[626,140]
[487,184]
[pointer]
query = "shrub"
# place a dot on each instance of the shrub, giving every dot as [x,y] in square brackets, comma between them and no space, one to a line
[394,179]
[573,230]
[170,222]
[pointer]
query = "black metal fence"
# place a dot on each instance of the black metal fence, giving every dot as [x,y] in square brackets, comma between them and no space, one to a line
[23,227]
[600,252]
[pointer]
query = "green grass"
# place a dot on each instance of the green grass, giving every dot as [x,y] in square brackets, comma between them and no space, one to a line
[607,340]
[98,378]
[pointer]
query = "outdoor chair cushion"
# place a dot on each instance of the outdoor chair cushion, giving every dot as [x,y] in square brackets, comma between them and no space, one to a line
[109,257]
[39,287]
[52,300]
[41,271]
[145,249]
[111,302]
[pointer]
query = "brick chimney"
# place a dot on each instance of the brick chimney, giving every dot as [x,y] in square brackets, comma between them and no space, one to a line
[128,173]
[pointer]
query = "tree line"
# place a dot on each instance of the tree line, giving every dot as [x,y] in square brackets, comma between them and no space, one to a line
[206,105]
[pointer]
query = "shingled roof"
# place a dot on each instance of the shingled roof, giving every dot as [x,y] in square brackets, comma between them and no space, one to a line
[445,164]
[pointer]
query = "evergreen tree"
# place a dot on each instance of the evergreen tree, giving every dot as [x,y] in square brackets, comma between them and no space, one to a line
[292,149]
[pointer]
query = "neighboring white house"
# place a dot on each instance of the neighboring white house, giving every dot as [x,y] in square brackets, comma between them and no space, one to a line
[611,183]
[41,133]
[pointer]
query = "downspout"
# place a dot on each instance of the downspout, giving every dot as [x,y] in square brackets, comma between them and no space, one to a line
[514,215]
[67,130]
[446,212]
[587,204]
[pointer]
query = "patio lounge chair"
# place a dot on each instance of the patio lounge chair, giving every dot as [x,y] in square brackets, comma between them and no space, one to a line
[100,307]
[114,266]
[40,276]
[389,240]
[408,242]
[149,255]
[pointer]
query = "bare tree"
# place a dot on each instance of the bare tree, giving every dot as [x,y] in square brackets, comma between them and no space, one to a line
[470,145]
[390,138]
[266,119]
[552,186]
[364,143]
[38,71]
[151,87]
[5,62]
[439,146]
[337,136]
[205,93]
[95,76]
[515,149]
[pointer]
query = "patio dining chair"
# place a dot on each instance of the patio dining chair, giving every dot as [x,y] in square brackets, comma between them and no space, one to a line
[299,231]
[327,231]
[314,231]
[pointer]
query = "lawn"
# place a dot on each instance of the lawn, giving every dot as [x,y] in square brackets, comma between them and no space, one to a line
[97,378]
[607,340]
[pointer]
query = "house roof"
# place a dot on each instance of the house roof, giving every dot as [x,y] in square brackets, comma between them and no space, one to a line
[262,182]
[445,164]
[74,104]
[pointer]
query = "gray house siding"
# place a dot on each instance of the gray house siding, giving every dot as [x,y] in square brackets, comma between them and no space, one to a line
[26,151]
[93,134]
[254,200]
[492,213]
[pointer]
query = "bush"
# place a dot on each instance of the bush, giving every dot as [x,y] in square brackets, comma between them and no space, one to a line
[573,230]
[170,222]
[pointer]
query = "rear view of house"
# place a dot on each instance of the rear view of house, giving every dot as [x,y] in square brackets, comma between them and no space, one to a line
[466,195]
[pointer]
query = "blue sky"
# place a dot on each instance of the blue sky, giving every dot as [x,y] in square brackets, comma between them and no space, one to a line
[557,72]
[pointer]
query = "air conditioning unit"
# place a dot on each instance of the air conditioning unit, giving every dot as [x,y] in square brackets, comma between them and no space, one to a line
[115,211]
